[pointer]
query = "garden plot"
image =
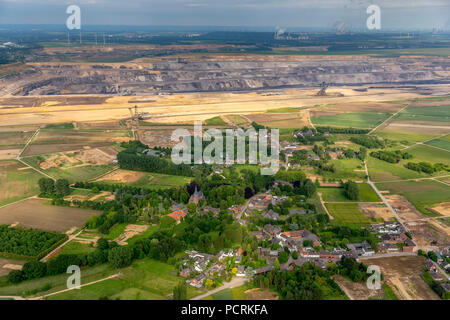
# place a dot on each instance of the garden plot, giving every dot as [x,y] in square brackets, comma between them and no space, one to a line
[130,231]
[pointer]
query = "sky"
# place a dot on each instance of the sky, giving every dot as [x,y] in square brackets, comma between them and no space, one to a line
[349,14]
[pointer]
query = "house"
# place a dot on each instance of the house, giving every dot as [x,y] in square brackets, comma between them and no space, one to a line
[260,235]
[264,269]
[225,254]
[177,215]
[430,267]
[446,287]
[197,281]
[196,196]
[216,268]
[272,230]
[362,249]
[260,202]
[293,212]
[240,271]
[238,259]
[300,236]
[185,273]
[270,215]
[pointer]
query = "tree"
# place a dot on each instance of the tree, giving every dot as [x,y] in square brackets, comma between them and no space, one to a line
[283,257]
[295,255]
[102,244]
[46,185]
[351,190]
[62,187]
[310,188]
[180,292]
[34,269]
[120,257]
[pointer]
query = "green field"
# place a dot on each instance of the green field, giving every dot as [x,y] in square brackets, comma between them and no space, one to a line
[74,174]
[364,120]
[408,134]
[347,214]
[384,171]
[438,114]
[155,180]
[284,110]
[216,121]
[422,194]
[429,154]
[144,279]
[366,194]
[443,144]
[75,247]
[17,184]
[346,169]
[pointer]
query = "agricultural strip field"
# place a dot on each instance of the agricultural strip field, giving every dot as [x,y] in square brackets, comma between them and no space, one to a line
[366,194]
[17,182]
[429,154]
[72,174]
[435,114]
[143,280]
[61,140]
[364,120]
[384,171]
[443,142]
[5,265]
[347,214]
[34,213]
[144,179]
[410,132]
[422,194]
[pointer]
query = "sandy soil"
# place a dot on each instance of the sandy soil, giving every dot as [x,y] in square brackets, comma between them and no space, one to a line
[6,265]
[180,107]
[130,231]
[402,274]
[123,176]
[376,211]
[443,208]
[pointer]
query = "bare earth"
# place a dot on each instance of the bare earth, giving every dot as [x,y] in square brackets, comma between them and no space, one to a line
[402,274]
[34,213]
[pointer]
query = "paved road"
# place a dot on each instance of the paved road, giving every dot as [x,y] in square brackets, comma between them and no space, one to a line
[71,237]
[235,282]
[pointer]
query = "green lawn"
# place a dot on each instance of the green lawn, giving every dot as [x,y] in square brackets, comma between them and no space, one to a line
[365,120]
[75,247]
[347,214]
[422,194]
[346,169]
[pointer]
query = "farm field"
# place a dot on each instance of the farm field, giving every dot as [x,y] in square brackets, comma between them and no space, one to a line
[144,279]
[429,154]
[366,194]
[409,133]
[7,264]
[63,140]
[36,214]
[75,247]
[72,174]
[347,214]
[144,179]
[17,182]
[443,142]
[365,120]
[384,171]
[422,194]
[431,113]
